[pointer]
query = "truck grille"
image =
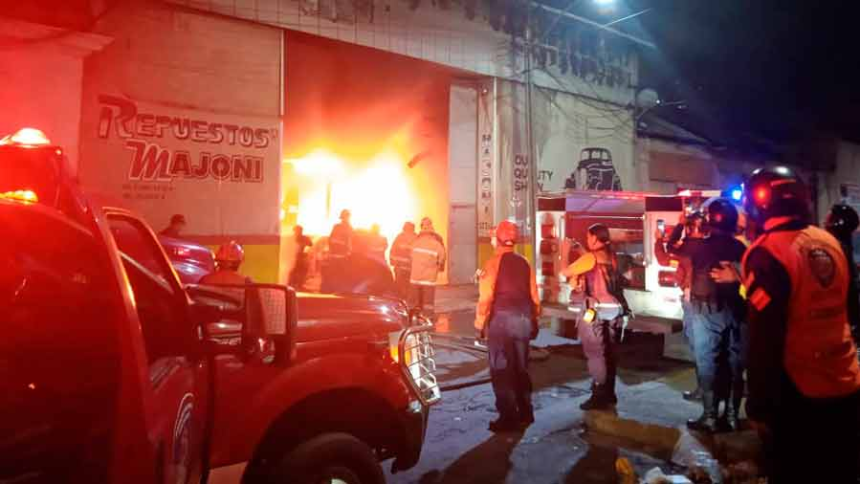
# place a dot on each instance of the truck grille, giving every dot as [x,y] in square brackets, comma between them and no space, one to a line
[418,364]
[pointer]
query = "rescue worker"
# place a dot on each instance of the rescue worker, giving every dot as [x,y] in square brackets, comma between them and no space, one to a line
[377,244]
[177,225]
[228,259]
[428,260]
[599,325]
[340,239]
[841,223]
[507,314]
[803,369]
[301,243]
[401,258]
[717,309]
[682,251]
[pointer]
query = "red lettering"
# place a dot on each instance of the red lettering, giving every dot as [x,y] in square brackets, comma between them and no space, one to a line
[231,133]
[161,123]
[221,167]
[198,131]
[149,162]
[202,170]
[181,164]
[181,128]
[246,137]
[261,138]
[258,168]
[115,109]
[216,135]
[145,125]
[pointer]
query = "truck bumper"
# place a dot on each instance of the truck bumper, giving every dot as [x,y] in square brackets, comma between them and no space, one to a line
[413,421]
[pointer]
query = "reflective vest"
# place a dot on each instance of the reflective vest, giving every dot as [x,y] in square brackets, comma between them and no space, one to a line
[487,288]
[820,355]
[428,259]
[401,251]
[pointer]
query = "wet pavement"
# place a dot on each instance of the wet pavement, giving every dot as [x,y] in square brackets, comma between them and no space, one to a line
[559,447]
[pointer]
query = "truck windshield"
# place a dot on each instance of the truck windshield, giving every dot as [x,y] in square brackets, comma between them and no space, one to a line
[30,169]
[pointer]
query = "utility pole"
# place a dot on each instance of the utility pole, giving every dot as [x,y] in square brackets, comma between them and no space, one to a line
[531,206]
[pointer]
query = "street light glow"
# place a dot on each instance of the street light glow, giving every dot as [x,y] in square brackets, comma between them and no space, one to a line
[604,2]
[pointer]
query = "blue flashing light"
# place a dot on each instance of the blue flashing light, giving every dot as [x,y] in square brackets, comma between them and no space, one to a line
[737,194]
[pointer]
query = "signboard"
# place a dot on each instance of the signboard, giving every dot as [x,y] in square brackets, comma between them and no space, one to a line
[220,171]
[486,157]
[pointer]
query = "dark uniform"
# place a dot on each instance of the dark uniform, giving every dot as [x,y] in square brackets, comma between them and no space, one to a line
[842,222]
[717,314]
[803,369]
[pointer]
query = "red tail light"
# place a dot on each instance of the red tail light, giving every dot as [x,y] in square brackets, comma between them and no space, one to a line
[667,279]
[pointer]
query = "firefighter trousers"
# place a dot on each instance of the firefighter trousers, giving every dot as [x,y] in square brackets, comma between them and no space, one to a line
[598,341]
[508,342]
[401,281]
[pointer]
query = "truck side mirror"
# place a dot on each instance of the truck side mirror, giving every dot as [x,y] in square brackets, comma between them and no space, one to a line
[254,321]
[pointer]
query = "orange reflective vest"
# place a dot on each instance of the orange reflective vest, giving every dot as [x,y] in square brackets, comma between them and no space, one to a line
[401,251]
[428,259]
[487,287]
[820,355]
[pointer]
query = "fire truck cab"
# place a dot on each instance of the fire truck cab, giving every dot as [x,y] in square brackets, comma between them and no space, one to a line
[634,219]
[112,370]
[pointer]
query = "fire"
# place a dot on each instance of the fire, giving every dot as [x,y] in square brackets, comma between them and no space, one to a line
[375,191]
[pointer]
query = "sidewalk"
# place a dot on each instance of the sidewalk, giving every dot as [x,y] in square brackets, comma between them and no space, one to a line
[453,298]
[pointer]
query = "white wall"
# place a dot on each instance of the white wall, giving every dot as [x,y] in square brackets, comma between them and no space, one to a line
[428,33]
[42,81]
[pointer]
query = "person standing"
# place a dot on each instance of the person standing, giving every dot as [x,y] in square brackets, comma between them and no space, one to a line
[507,315]
[682,251]
[340,239]
[428,260]
[599,325]
[377,244]
[718,317]
[803,369]
[842,222]
[300,265]
[177,225]
[401,258]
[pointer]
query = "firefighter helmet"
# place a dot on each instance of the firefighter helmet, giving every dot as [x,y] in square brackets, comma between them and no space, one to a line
[842,221]
[506,233]
[231,253]
[775,192]
[722,215]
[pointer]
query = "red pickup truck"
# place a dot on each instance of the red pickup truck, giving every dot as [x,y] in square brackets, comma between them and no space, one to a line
[112,371]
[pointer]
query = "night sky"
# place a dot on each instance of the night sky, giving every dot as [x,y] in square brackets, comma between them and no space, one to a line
[772,67]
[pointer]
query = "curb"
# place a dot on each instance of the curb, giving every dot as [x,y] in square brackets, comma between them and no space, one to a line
[686,448]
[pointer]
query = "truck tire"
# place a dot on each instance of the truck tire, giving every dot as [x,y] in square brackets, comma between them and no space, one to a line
[334,458]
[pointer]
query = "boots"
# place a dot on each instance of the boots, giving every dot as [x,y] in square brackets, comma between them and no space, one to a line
[733,407]
[707,422]
[602,398]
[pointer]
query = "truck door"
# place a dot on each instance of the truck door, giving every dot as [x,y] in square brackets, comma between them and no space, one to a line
[176,374]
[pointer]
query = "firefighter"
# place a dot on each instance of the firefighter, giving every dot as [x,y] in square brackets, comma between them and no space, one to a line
[401,258]
[599,325]
[682,251]
[228,258]
[428,260]
[340,239]
[301,243]
[717,310]
[507,314]
[803,369]
[841,223]
[177,225]
[377,244]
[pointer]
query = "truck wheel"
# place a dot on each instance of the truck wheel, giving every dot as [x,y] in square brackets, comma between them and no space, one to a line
[334,458]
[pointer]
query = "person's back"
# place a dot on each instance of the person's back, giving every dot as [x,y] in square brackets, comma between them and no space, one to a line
[513,287]
[428,256]
[717,248]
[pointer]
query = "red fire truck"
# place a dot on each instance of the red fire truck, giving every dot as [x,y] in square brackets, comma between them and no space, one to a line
[634,219]
[112,371]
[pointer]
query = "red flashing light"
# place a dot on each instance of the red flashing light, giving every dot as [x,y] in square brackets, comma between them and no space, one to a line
[28,196]
[761,195]
[26,137]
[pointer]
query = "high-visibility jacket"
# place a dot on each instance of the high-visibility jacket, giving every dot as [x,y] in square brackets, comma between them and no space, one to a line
[820,356]
[401,251]
[487,288]
[428,259]
[340,240]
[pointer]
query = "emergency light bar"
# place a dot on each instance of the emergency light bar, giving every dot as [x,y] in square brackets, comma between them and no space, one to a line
[26,137]
[28,196]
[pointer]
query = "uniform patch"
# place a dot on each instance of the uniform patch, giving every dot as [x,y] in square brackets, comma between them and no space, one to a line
[822,266]
[759,299]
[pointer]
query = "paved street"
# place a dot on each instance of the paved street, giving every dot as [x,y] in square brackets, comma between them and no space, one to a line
[564,444]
